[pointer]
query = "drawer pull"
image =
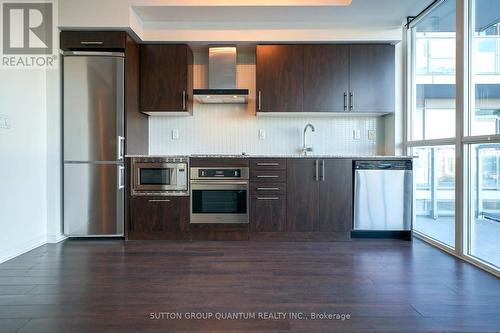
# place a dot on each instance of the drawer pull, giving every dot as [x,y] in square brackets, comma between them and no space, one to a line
[91,43]
[268,164]
[158,200]
[274,176]
[268,198]
[267,188]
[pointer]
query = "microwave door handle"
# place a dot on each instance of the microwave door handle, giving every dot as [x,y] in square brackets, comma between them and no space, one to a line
[173,176]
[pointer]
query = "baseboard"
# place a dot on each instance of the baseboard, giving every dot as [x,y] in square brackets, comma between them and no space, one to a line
[300,236]
[404,235]
[53,239]
[23,248]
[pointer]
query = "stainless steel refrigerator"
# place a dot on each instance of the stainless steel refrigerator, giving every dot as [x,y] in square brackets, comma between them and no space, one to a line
[94,144]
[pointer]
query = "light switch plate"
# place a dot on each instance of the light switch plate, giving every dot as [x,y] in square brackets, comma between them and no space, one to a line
[262,134]
[4,122]
[371,135]
[175,134]
[356,134]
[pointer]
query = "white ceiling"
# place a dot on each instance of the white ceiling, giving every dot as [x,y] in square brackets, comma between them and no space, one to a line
[361,14]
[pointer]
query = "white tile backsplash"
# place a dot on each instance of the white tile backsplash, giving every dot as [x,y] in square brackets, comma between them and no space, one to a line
[233,129]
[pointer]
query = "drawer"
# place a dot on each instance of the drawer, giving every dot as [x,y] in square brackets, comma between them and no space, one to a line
[93,40]
[267,176]
[217,162]
[264,189]
[268,213]
[268,163]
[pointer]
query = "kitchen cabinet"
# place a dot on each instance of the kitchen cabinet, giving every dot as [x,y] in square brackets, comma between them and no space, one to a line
[372,78]
[319,195]
[166,79]
[268,212]
[302,191]
[93,40]
[268,195]
[279,78]
[159,217]
[335,195]
[326,78]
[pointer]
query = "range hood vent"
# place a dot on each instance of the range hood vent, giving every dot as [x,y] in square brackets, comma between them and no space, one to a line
[221,78]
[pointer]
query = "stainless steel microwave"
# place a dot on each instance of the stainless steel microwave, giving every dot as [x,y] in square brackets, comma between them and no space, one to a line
[160,176]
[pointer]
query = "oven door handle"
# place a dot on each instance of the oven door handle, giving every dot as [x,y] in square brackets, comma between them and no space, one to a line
[204,182]
[238,186]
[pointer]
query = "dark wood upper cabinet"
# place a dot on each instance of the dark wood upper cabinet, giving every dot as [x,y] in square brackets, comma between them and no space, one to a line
[372,78]
[280,72]
[166,78]
[336,195]
[93,40]
[302,195]
[326,78]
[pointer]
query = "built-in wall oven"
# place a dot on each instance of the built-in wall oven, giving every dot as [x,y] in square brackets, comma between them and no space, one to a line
[219,195]
[160,176]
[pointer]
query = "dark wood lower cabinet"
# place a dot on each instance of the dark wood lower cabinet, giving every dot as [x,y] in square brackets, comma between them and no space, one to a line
[336,195]
[159,218]
[268,213]
[302,195]
[311,201]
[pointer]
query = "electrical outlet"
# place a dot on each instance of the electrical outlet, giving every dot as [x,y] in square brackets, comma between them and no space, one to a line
[262,134]
[371,135]
[175,134]
[356,134]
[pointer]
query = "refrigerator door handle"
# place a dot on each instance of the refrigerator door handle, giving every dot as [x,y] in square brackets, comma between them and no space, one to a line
[121,147]
[121,177]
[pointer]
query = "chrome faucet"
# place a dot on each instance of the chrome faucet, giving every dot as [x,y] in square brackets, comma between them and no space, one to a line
[305,148]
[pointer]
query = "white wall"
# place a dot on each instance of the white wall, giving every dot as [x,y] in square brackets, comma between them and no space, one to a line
[23,166]
[233,129]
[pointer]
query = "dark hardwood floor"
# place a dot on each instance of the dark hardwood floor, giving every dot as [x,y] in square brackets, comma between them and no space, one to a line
[113,286]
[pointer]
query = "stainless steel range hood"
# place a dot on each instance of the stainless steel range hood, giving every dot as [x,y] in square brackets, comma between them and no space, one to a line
[221,78]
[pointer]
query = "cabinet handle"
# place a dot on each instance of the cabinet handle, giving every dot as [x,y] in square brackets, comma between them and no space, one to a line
[260,100]
[121,177]
[91,43]
[323,170]
[267,188]
[184,100]
[345,101]
[268,164]
[121,147]
[316,170]
[351,101]
[268,198]
[158,200]
[265,176]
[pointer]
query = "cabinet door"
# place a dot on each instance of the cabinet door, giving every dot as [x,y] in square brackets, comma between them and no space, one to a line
[93,40]
[268,213]
[326,78]
[166,85]
[372,78]
[336,195]
[302,195]
[159,214]
[280,72]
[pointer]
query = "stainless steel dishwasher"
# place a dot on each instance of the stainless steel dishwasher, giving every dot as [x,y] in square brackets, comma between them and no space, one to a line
[383,198]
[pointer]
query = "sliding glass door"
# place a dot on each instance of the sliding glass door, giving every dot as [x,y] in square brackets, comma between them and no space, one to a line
[454,127]
[482,129]
[432,128]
